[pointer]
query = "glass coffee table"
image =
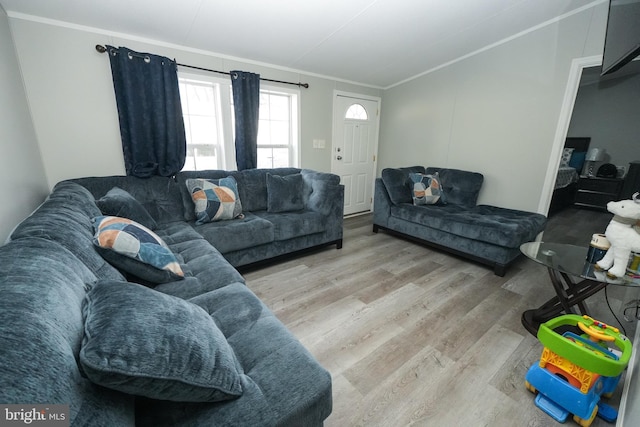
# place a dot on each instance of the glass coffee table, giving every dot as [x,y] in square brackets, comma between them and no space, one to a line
[564,263]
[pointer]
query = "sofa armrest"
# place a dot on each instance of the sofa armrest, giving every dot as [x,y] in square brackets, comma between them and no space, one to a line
[381,204]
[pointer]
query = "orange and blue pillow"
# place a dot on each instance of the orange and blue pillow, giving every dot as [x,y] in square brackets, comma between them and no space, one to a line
[426,189]
[135,249]
[215,199]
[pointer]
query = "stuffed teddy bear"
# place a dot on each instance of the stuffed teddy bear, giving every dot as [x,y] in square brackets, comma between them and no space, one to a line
[623,236]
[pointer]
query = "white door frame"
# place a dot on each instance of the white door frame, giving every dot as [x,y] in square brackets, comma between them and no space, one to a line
[336,135]
[570,94]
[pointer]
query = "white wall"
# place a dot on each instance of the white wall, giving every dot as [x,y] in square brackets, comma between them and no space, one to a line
[22,181]
[70,90]
[608,113]
[495,112]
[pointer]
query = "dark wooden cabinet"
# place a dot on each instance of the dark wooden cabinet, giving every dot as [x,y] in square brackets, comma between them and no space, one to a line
[597,192]
[631,181]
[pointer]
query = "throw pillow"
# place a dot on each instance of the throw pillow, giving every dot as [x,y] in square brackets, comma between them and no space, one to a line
[577,160]
[427,189]
[146,343]
[566,156]
[118,202]
[284,193]
[396,183]
[215,199]
[134,248]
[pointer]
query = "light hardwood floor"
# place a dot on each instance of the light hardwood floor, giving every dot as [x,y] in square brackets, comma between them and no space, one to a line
[414,336]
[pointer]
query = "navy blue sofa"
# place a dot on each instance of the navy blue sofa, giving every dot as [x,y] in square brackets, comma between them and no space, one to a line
[52,279]
[487,234]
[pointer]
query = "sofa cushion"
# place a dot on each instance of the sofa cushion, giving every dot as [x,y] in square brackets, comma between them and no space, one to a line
[43,286]
[252,186]
[498,226]
[215,199]
[238,234]
[209,269]
[146,343]
[285,193]
[427,189]
[461,187]
[283,385]
[135,249]
[159,195]
[288,225]
[118,202]
[397,183]
[65,218]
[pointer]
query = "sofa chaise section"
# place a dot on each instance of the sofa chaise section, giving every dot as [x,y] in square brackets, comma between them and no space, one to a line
[488,234]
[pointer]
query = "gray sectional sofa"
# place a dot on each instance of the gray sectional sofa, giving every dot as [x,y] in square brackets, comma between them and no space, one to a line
[199,349]
[487,234]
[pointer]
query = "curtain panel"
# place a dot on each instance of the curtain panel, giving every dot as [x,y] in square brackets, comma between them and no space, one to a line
[149,111]
[246,104]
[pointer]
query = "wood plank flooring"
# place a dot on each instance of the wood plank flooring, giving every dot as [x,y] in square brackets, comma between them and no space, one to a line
[413,336]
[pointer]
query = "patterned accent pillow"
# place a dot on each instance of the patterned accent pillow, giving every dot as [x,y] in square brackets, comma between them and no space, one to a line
[146,343]
[566,156]
[427,189]
[134,248]
[215,199]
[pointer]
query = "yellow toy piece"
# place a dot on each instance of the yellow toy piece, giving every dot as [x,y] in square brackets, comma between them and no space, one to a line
[577,376]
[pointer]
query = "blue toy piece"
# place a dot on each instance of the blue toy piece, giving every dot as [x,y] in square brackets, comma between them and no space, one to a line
[558,398]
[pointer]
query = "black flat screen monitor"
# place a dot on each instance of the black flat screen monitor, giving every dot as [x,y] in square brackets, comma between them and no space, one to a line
[622,41]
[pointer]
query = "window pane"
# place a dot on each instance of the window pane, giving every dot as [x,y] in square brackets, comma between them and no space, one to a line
[280,157]
[203,129]
[201,99]
[273,157]
[279,107]
[264,132]
[356,112]
[280,133]
[265,158]
[265,111]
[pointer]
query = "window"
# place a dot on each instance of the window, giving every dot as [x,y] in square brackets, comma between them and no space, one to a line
[356,112]
[277,129]
[207,107]
[203,128]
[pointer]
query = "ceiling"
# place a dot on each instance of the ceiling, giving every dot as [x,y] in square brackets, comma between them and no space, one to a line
[377,43]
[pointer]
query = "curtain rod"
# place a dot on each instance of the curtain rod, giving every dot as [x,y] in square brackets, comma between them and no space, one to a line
[103,49]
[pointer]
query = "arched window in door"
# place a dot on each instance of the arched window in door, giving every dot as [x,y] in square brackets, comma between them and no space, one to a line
[356,112]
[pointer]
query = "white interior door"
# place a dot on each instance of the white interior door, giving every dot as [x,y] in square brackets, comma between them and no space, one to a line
[354,149]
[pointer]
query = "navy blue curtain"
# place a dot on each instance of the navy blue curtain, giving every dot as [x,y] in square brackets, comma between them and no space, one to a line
[150,113]
[246,104]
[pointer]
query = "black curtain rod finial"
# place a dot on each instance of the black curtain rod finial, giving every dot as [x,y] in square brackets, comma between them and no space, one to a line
[101,48]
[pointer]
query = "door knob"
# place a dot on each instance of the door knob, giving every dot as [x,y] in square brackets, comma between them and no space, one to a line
[339,157]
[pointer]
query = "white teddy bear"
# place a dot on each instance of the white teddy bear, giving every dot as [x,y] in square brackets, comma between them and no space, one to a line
[622,235]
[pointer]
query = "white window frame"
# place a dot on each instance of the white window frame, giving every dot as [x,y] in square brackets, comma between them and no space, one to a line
[294,120]
[227,148]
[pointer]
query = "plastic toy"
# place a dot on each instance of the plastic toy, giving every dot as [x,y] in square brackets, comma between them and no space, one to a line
[574,370]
